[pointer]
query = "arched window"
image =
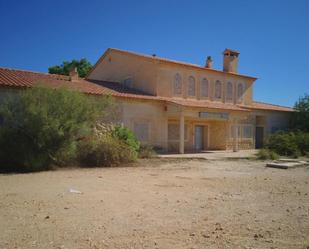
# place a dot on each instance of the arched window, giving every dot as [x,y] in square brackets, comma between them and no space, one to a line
[229,91]
[177,84]
[218,89]
[191,86]
[204,88]
[240,92]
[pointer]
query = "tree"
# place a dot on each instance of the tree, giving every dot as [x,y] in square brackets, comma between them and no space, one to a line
[83,67]
[41,126]
[300,118]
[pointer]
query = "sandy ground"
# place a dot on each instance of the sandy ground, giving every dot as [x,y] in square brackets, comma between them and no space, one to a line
[159,204]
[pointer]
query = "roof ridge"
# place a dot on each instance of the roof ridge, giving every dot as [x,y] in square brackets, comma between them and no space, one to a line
[167,60]
[261,102]
[35,72]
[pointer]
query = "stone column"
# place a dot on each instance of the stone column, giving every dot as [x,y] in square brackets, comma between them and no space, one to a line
[182,133]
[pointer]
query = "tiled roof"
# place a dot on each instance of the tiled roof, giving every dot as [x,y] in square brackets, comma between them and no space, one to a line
[165,60]
[206,104]
[268,107]
[20,78]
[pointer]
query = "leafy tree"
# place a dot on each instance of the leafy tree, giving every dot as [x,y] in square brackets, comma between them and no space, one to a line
[41,126]
[83,67]
[300,119]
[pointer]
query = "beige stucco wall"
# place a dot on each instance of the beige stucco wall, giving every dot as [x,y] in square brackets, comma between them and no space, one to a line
[157,77]
[147,112]
[117,66]
[167,73]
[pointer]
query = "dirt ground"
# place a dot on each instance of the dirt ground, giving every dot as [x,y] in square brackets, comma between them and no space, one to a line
[160,203]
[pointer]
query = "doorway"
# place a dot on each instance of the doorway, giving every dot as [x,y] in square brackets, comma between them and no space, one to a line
[199,137]
[259,137]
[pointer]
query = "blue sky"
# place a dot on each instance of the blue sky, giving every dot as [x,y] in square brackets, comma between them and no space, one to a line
[272,36]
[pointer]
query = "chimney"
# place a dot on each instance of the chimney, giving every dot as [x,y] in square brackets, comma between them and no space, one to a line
[73,74]
[230,60]
[208,63]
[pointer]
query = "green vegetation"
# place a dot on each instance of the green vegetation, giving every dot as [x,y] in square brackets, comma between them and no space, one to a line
[42,127]
[108,146]
[146,151]
[83,67]
[265,154]
[127,136]
[300,119]
[104,151]
[291,144]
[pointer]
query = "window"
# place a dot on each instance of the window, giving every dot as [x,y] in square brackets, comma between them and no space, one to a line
[247,131]
[177,84]
[218,89]
[235,129]
[173,132]
[229,91]
[191,86]
[240,92]
[204,88]
[141,131]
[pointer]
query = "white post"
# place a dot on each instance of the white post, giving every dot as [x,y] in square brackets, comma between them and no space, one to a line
[235,138]
[182,134]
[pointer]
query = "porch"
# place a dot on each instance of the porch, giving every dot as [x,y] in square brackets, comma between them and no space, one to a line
[193,131]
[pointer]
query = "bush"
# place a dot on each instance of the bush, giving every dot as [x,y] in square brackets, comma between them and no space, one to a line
[127,136]
[302,141]
[265,154]
[41,126]
[284,144]
[292,144]
[146,151]
[104,151]
[300,118]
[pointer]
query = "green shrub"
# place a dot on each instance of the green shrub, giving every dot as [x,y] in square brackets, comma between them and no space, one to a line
[302,141]
[146,151]
[300,118]
[265,154]
[292,144]
[41,126]
[104,151]
[127,136]
[284,144]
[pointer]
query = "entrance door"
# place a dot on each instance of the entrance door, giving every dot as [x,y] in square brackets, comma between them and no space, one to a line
[199,137]
[259,137]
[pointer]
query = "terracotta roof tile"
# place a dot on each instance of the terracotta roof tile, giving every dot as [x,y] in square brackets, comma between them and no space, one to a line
[206,104]
[256,105]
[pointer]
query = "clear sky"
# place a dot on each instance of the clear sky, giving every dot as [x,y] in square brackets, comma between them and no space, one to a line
[272,36]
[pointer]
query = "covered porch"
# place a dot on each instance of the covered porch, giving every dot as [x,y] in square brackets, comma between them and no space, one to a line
[197,130]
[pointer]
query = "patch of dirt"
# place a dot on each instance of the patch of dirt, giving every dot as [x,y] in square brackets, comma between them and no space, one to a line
[161,203]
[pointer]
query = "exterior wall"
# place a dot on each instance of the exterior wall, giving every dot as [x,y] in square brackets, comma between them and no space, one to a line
[272,121]
[152,113]
[157,78]
[167,73]
[119,67]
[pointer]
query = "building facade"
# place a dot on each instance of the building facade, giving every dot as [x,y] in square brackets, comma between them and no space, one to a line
[176,106]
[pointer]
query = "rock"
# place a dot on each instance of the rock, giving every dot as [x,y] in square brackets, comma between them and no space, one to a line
[47,217]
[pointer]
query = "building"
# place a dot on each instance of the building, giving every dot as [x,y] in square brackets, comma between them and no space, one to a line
[175,106]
